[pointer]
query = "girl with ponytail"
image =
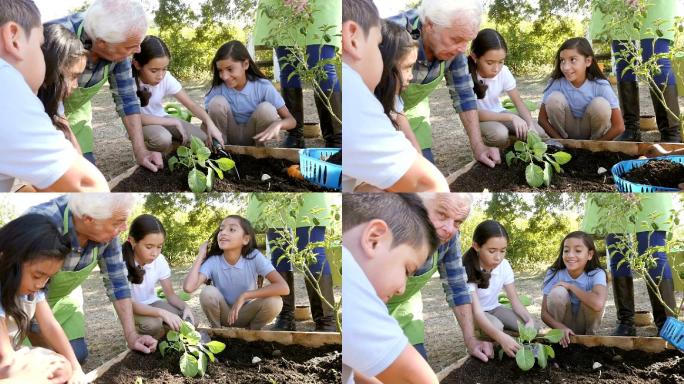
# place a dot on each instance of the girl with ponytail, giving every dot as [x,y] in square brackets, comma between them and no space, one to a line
[147,266]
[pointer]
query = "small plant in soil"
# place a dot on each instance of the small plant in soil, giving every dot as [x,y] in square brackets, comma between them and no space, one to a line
[533,151]
[197,157]
[542,352]
[194,352]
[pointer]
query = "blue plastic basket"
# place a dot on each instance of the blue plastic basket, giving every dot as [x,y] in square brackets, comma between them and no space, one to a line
[673,332]
[315,169]
[625,166]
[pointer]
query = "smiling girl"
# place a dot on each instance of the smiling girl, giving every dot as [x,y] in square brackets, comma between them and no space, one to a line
[233,264]
[489,272]
[242,101]
[579,102]
[575,288]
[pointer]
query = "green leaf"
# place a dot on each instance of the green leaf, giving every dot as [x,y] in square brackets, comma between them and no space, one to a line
[562,157]
[203,154]
[509,157]
[211,355]
[519,146]
[186,328]
[216,169]
[501,353]
[225,163]
[210,179]
[548,173]
[188,365]
[549,351]
[216,346]
[554,335]
[197,181]
[172,335]
[202,366]
[525,358]
[533,138]
[162,347]
[539,148]
[193,338]
[527,333]
[183,151]
[541,355]
[534,175]
[196,145]
[172,162]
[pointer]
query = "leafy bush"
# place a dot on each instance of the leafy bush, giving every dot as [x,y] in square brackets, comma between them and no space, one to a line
[534,150]
[198,156]
[194,353]
[526,355]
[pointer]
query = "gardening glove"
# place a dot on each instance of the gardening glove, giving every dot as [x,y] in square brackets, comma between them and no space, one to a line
[482,350]
[520,127]
[173,320]
[269,133]
[509,345]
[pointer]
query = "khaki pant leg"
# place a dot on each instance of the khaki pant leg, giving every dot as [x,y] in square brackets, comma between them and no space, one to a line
[494,133]
[262,117]
[259,312]
[589,320]
[221,114]
[494,321]
[559,306]
[214,306]
[560,115]
[154,326]
[194,130]
[157,137]
[596,120]
[509,318]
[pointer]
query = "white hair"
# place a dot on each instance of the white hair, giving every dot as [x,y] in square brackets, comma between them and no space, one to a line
[100,206]
[113,21]
[443,12]
[462,200]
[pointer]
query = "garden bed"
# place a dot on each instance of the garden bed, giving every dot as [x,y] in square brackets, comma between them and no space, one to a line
[286,357]
[579,175]
[252,163]
[576,363]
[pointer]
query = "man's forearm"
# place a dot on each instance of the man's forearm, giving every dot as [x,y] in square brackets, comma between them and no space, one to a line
[133,125]
[471,123]
[464,316]
[124,310]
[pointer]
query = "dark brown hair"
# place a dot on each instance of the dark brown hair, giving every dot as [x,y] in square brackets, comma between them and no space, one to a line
[235,51]
[362,12]
[471,259]
[23,12]
[213,247]
[583,48]
[151,47]
[592,265]
[486,40]
[142,226]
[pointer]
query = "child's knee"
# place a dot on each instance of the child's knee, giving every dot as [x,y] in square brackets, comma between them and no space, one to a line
[157,138]
[556,101]
[266,110]
[558,297]
[494,134]
[599,108]
[272,305]
[218,105]
[210,296]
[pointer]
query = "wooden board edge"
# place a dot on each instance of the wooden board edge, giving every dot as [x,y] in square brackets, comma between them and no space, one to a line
[452,177]
[307,339]
[99,371]
[444,372]
[116,180]
[291,154]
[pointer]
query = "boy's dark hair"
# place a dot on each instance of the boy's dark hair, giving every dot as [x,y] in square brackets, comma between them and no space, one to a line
[404,214]
[592,265]
[486,40]
[29,238]
[23,12]
[235,51]
[142,226]
[396,44]
[151,47]
[61,49]
[362,12]
[583,48]
[213,247]
[471,260]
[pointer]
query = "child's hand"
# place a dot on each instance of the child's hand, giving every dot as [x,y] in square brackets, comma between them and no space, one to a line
[78,377]
[520,127]
[565,340]
[530,323]
[509,345]
[213,133]
[202,253]
[269,133]
[181,131]
[173,320]
[235,311]
[188,316]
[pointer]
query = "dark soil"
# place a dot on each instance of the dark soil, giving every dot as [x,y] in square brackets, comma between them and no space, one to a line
[579,175]
[574,365]
[279,364]
[661,173]
[250,169]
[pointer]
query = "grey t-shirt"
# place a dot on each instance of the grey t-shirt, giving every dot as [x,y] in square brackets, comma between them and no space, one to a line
[585,282]
[232,280]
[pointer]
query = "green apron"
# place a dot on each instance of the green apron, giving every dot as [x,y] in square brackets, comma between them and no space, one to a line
[407,308]
[65,296]
[78,109]
[417,108]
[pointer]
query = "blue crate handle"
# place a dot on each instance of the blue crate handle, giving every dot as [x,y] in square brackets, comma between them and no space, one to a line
[316,170]
[619,169]
[673,332]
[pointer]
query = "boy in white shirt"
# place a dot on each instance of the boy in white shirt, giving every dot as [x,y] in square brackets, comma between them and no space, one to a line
[33,150]
[373,151]
[386,237]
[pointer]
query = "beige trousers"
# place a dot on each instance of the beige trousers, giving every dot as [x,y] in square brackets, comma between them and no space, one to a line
[585,322]
[253,315]
[241,134]
[593,125]
[505,318]
[159,137]
[154,326]
[497,133]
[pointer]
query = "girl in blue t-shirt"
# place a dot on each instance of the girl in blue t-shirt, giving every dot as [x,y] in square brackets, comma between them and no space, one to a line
[575,288]
[242,102]
[233,263]
[579,102]
[32,250]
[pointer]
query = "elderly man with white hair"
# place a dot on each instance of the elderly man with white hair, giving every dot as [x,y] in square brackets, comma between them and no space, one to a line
[447,211]
[111,31]
[443,29]
[93,222]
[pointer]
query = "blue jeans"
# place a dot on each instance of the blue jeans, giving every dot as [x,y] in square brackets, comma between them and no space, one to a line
[79,345]
[666,74]
[657,238]
[303,238]
[90,157]
[315,54]
[427,153]
[421,349]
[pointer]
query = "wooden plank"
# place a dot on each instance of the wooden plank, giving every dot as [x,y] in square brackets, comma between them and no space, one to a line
[99,371]
[626,147]
[451,178]
[290,154]
[441,375]
[629,343]
[307,339]
[115,181]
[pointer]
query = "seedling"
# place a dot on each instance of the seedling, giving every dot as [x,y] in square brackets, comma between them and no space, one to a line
[533,152]
[526,355]
[194,353]
[196,156]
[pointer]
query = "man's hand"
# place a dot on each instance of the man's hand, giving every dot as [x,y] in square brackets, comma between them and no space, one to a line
[488,156]
[483,350]
[142,343]
[150,160]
